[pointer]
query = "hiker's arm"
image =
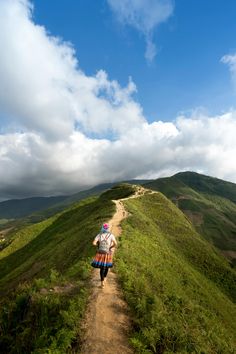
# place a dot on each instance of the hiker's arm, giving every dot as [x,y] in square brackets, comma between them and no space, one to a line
[114,244]
[95,241]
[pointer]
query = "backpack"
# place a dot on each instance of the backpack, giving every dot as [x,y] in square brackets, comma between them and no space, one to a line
[104,245]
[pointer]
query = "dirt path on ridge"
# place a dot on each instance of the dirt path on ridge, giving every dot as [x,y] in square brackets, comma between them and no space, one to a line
[106,323]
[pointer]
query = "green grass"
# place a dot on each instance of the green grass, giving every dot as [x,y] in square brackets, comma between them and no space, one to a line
[44,278]
[208,202]
[24,236]
[32,321]
[119,191]
[179,289]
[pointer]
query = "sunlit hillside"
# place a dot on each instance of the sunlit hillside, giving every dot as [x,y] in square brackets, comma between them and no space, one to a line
[209,203]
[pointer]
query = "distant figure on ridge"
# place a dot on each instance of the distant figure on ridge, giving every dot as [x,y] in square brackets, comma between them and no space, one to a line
[106,242]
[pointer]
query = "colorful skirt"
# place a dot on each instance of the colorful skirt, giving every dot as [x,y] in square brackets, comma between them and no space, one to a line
[102,260]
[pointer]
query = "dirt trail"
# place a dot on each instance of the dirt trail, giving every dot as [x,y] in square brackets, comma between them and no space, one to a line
[107,324]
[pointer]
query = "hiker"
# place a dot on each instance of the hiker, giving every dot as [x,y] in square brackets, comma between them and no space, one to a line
[106,242]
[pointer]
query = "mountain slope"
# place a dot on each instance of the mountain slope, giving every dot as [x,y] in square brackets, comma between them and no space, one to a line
[208,202]
[209,185]
[44,278]
[180,290]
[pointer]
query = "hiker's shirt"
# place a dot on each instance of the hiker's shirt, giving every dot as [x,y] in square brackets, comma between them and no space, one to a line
[109,237]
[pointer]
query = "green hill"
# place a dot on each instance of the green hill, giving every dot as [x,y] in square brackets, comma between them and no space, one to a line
[180,291]
[207,184]
[209,203]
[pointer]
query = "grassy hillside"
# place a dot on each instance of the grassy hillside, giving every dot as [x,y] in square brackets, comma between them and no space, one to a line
[181,292]
[207,184]
[208,202]
[44,273]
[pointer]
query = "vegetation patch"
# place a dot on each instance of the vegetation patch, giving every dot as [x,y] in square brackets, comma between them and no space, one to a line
[119,191]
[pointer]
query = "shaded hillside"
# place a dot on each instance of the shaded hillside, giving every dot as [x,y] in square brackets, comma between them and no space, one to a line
[39,208]
[19,208]
[180,290]
[208,202]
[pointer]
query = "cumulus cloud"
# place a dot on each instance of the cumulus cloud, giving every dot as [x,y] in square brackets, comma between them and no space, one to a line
[42,87]
[67,131]
[144,16]
[32,165]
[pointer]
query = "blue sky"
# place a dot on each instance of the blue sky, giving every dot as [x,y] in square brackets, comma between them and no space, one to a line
[110,90]
[185,74]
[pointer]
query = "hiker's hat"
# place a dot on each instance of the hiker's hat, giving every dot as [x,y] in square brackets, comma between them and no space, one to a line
[105,227]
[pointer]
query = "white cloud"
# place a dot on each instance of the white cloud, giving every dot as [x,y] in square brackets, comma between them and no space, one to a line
[54,111]
[33,165]
[42,88]
[230,60]
[143,15]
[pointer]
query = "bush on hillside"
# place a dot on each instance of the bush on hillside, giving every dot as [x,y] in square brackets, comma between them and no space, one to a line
[118,192]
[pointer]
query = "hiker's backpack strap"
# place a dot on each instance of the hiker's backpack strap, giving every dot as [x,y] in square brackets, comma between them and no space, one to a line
[108,236]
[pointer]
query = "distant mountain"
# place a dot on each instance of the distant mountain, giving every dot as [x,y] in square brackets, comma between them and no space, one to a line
[209,185]
[39,208]
[66,202]
[210,204]
[18,208]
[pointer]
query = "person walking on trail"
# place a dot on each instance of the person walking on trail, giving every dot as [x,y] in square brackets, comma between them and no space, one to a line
[106,242]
